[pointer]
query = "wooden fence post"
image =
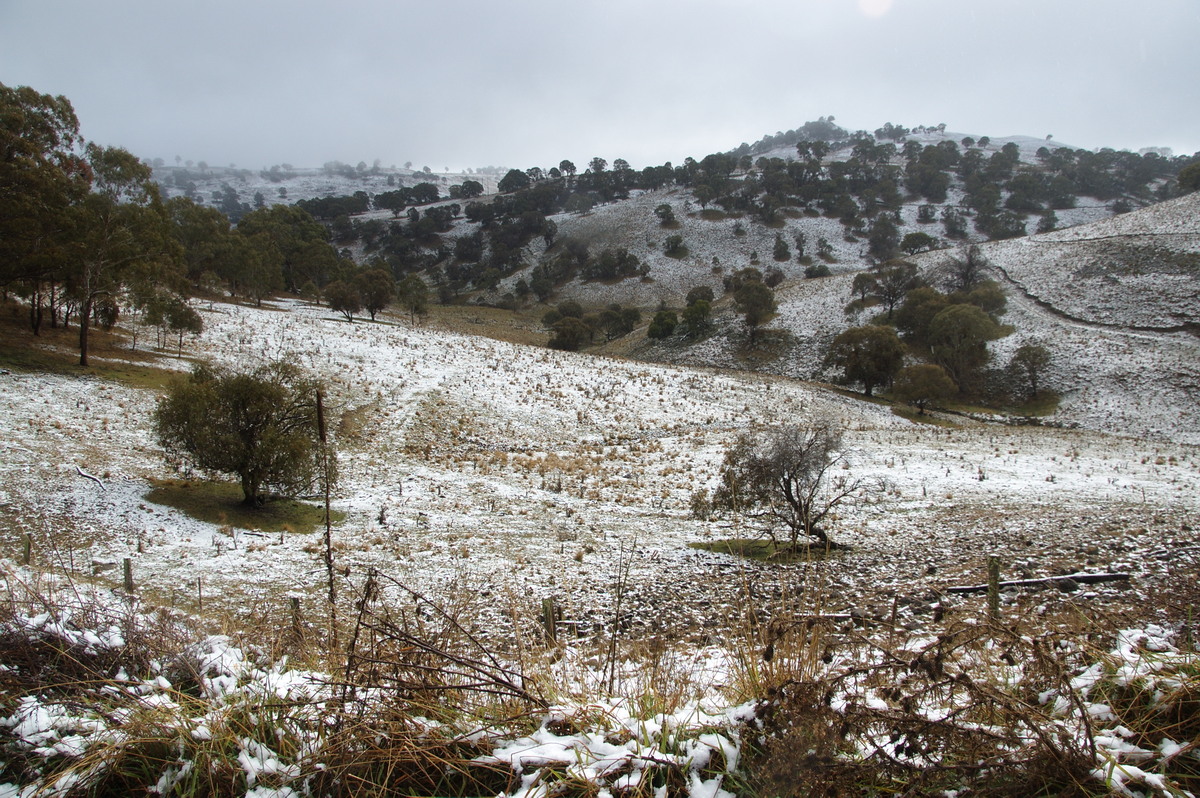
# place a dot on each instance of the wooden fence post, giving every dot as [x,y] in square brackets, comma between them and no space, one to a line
[993,592]
[550,615]
[128,575]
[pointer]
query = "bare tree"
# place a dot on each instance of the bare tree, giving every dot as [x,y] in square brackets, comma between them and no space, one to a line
[790,475]
[965,271]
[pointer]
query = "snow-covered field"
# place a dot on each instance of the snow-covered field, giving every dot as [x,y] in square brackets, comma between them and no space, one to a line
[518,473]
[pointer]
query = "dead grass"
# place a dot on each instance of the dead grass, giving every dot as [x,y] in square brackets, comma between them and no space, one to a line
[516,327]
[763,550]
[413,699]
[966,711]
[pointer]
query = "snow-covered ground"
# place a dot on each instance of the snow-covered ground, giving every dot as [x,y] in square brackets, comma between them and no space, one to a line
[520,473]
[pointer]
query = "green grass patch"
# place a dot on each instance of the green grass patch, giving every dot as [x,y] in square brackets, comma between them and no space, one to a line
[1044,404]
[763,550]
[911,413]
[221,503]
[56,351]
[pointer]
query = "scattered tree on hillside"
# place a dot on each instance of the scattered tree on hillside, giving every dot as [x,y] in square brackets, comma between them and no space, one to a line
[696,318]
[413,295]
[954,223]
[886,284]
[912,243]
[343,297]
[663,325]
[790,475]
[965,270]
[377,289]
[570,334]
[616,321]
[883,242]
[700,292]
[259,425]
[923,385]
[1028,366]
[1047,222]
[958,337]
[781,251]
[674,247]
[869,355]
[756,302]
[180,318]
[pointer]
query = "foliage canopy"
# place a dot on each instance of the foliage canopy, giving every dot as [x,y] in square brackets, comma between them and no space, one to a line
[260,425]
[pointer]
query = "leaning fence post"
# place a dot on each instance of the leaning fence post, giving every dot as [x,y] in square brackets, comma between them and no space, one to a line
[26,548]
[297,629]
[549,620]
[993,591]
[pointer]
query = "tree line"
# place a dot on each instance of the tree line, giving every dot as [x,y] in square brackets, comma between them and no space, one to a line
[86,238]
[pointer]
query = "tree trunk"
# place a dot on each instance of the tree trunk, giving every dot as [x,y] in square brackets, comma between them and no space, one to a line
[35,313]
[250,492]
[85,321]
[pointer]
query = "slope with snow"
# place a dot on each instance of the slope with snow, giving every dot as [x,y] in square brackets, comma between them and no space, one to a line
[474,467]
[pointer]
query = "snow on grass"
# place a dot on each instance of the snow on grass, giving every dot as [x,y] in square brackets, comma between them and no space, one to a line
[521,473]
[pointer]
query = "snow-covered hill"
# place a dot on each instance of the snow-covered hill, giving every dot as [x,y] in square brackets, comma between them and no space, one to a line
[1116,299]
[519,473]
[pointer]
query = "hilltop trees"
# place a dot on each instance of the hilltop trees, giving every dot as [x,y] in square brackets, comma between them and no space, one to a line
[1189,178]
[260,425]
[515,180]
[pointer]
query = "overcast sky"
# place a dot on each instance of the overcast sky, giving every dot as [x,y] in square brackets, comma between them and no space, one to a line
[520,83]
